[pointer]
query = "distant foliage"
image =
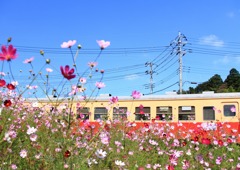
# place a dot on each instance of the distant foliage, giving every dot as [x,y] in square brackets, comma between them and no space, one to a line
[216,84]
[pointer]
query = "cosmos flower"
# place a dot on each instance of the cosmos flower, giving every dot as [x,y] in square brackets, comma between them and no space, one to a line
[114,100]
[31,130]
[23,153]
[7,103]
[119,163]
[2,74]
[33,137]
[2,82]
[206,141]
[136,94]
[67,154]
[99,85]
[10,86]
[233,109]
[13,166]
[8,53]
[83,80]
[49,70]
[92,64]
[67,72]
[29,60]
[103,44]
[101,154]
[68,44]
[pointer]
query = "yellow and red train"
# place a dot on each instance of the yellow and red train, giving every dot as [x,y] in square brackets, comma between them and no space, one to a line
[208,110]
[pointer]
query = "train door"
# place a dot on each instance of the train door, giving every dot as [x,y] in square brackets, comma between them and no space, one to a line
[230,115]
[230,111]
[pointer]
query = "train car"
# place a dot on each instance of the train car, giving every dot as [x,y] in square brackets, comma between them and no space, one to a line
[209,111]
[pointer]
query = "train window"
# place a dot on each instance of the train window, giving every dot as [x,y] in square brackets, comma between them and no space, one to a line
[229,110]
[208,113]
[100,113]
[164,113]
[83,113]
[142,113]
[119,112]
[186,113]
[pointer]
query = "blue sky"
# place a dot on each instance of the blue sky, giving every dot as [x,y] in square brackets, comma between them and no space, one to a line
[139,32]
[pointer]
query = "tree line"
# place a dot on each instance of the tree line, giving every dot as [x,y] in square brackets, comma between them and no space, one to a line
[216,84]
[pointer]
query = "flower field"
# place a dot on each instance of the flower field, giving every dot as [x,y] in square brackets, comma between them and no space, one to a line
[43,139]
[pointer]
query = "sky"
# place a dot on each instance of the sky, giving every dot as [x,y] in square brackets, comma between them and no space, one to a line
[139,31]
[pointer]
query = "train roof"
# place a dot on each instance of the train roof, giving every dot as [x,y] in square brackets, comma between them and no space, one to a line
[168,96]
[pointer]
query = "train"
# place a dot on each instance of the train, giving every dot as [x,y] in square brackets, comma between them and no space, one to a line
[208,111]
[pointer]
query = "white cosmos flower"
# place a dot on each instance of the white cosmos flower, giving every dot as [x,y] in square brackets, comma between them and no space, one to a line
[119,163]
[101,154]
[31,130]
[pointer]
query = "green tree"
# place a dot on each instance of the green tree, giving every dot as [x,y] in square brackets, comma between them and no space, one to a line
[233,80]
[212,84]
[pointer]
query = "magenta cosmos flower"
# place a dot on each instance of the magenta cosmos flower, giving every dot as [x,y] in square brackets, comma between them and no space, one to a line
[67,72]
[136,94]
[8,53]
[103,44]
[68,44]
[2,82]
[114,100]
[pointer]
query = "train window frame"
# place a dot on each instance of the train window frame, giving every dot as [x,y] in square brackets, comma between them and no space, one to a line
[166,111]
[85,111]
[117,112]
[146,116]
[227,108]
[100,115]
[186,112]
[210,108]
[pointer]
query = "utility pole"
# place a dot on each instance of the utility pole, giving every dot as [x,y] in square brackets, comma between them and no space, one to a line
[150,72]
[181,42]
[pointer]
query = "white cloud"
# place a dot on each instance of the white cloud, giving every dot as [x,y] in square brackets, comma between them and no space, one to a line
[211,40]
[227,60]
[132,77]
[224,60]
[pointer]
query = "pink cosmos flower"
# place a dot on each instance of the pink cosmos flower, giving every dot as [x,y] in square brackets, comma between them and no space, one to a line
[99,85]
[136,94]
[13,166]
[33,137]
[29,60]
[103,44]
[114,100]
[92,64]
[233,109]
[8,53]
[23,153]
[83,80]
[49,70]
[2,74]
[67,72]
[68,44]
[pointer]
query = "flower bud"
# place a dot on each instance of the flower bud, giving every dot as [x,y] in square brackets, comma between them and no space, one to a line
[41,52]
[79,46]
[48,61]
[9,39]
